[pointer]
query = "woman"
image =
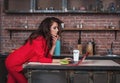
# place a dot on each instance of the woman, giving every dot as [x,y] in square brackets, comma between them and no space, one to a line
[39,47]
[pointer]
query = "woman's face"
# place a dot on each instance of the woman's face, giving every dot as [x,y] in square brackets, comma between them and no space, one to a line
[54,29]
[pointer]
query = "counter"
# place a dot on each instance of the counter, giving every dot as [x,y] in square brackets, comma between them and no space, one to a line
[103,57]
[3,70]
[3,55]
[86,65]
[105,71]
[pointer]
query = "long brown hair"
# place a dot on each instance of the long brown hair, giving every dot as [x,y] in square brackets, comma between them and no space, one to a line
[44,30]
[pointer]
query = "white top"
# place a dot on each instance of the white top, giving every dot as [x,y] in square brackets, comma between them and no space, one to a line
[99,63]
[84,63]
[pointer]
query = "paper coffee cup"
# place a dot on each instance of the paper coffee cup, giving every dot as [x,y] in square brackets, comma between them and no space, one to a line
[75,55]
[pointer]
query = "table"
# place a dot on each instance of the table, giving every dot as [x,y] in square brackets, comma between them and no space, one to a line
[89,71]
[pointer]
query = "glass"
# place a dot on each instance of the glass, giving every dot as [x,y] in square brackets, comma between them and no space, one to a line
[75,55]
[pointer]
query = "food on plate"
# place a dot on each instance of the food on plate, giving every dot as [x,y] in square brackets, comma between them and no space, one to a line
[64,61]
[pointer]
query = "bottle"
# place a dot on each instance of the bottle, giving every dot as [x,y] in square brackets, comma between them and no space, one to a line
[89,48]
[93,43]
[119,24]
[79,46]
[111,7]
[62,25]
[81,25]
[57,48]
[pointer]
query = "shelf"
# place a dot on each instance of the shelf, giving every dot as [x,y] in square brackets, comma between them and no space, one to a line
[65,29]
[19,29]
[89,29]
[92,29]
[62,6]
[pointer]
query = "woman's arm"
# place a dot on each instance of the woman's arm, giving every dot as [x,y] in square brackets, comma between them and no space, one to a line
[56,60]
[54,40]
[52,50]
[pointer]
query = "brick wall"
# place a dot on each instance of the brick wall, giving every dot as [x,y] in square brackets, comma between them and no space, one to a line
[103,39]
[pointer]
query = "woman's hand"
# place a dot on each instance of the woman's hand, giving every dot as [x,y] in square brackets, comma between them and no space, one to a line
[70,60]
[63,61]
[54,39]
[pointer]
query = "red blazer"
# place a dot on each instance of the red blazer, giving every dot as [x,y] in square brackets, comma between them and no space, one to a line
[35,52]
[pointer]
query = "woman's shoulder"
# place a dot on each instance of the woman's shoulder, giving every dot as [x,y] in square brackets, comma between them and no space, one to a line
[40,38]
